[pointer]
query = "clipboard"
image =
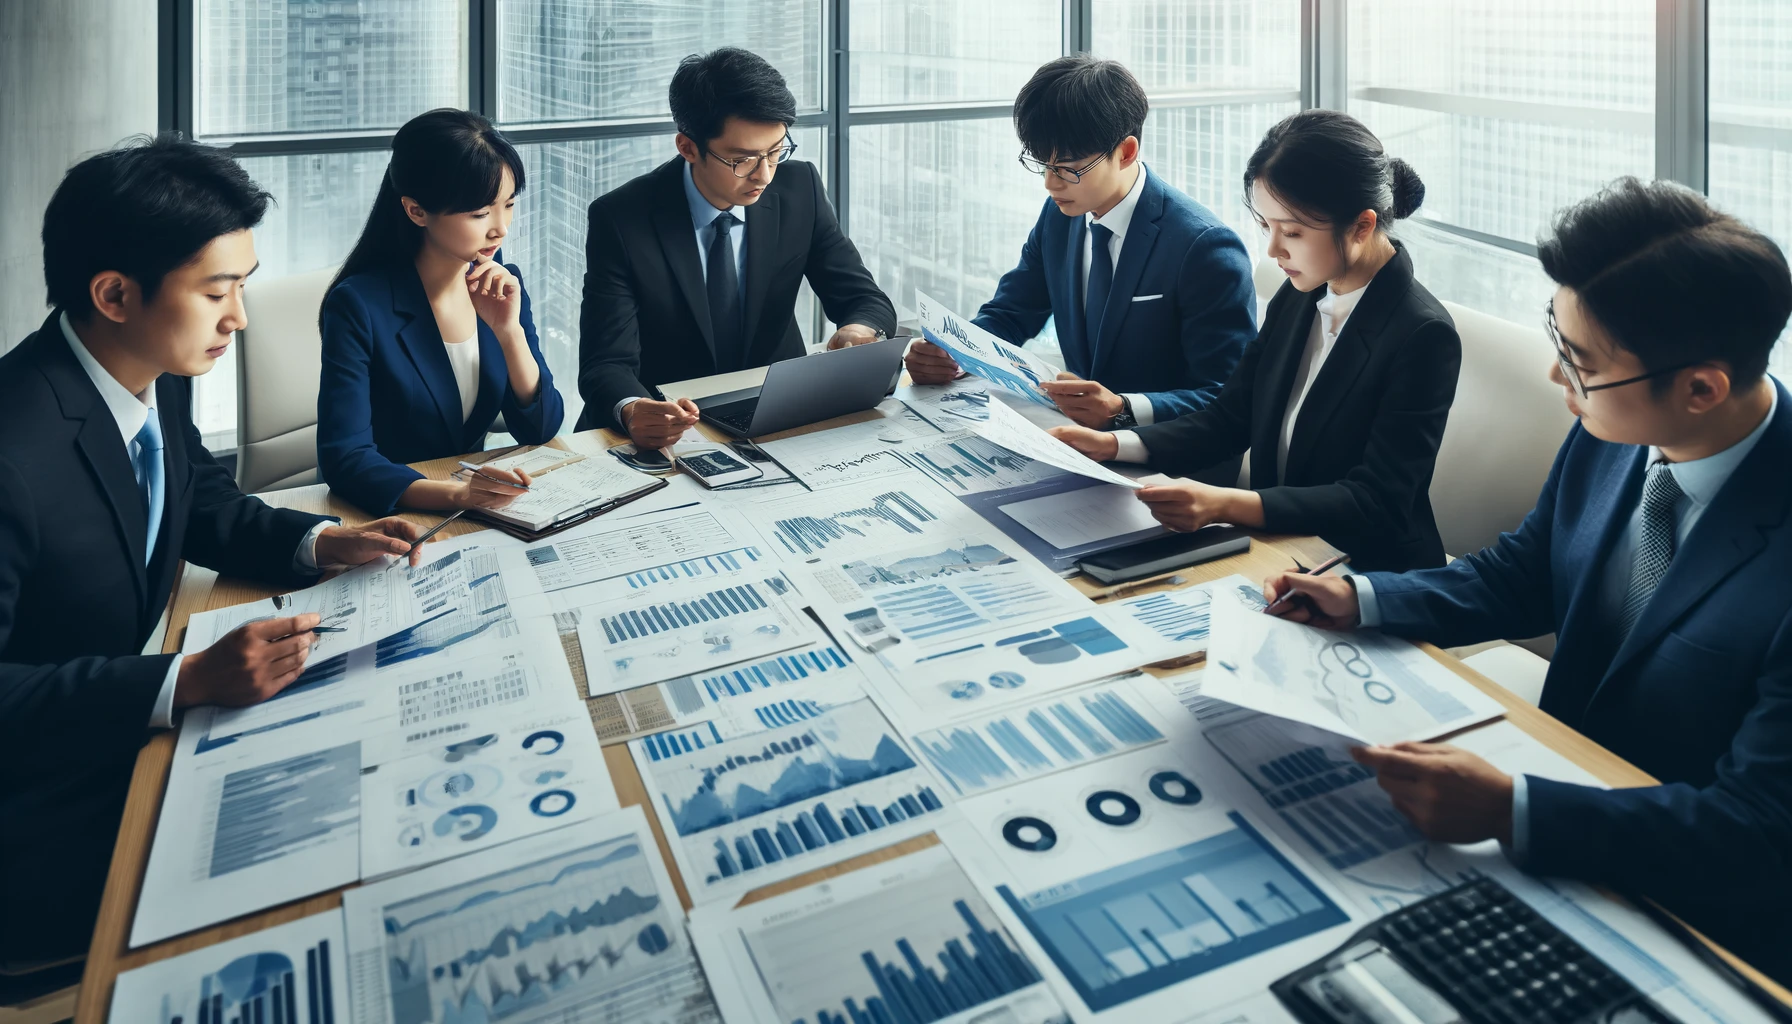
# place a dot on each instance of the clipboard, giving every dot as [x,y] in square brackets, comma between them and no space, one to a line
[572,516]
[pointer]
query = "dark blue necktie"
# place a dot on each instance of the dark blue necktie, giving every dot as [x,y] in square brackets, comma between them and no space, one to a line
[1101,281]
[146,464]
[724,297]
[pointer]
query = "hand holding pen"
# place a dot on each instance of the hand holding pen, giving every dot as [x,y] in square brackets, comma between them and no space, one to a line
[490,487]
[1304,596]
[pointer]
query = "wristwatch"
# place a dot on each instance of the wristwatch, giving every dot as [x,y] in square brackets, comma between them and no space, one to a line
[1124,419]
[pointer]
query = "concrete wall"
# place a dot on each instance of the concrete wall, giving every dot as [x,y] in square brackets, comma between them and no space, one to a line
[76,76]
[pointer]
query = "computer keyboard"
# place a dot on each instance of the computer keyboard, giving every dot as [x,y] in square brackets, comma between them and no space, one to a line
[738,415]
[1477,954]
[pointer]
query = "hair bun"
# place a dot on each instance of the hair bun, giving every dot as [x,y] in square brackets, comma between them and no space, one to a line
[1409,190]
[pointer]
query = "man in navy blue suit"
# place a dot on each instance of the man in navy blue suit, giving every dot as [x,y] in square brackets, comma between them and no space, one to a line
[1658,554]
[1151,293]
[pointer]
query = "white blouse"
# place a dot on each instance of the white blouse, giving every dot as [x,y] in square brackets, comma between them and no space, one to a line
[464,357]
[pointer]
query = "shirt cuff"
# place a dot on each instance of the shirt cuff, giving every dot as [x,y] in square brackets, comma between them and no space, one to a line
[1130,448]
[304,560]
[1141,408]
[162,715]
[1521,821]
[1368,612]
[616,413]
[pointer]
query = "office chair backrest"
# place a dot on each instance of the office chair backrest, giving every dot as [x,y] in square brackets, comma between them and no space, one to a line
[278,359]
[1504,430]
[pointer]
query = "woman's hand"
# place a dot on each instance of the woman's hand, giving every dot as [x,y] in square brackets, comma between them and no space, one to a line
[489,488]
[497,295]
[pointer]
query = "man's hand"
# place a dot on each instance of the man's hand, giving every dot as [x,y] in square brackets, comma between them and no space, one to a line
[929,364]
[484,489]
[1330,603]
[1084,401]
[1096,444]
[1449,794]
[353,545]
[654,424]
[1185,506]
[247,665]
[851,334]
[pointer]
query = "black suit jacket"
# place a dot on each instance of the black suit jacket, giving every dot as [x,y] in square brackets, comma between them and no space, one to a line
[77,604]
[1365,440]
[645,319]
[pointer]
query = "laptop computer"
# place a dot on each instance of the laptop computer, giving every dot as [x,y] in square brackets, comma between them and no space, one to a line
[809,389]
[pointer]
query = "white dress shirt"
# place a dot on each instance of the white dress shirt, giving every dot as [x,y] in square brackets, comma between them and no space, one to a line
[1700,481]
[130,412]
[463,356]
[1116,220]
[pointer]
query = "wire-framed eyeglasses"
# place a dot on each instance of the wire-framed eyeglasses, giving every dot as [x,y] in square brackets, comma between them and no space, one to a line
[743,166]
[1068,175]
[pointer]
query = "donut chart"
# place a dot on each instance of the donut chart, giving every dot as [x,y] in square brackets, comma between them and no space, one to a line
[1173,787]
[1031,834]
[1112,807]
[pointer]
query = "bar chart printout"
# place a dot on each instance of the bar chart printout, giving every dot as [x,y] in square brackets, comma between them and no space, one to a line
[1033,740]
[907,941]
[292,973]
[576,924]
[773,804]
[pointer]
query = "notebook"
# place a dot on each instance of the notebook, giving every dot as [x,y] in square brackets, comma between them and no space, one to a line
[566,489]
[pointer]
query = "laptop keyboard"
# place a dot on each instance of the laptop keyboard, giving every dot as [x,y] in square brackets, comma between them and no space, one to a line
[738,415]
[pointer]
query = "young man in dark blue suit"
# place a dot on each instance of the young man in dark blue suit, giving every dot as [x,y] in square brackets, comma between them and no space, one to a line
[105,488]
[1658,554]
[1151,293]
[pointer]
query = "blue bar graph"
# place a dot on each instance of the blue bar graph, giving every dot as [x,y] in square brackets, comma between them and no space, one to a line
[265,988]
[1183,616]
[695,568]
[1031,741]
[811,828]
[271,810]
[662,746]
[712,606]
[970,464]
[787,712]
[972,970]
[892,510]
[758,676]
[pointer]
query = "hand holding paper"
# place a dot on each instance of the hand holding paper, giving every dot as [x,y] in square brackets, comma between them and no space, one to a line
[977,351]
[1014,432]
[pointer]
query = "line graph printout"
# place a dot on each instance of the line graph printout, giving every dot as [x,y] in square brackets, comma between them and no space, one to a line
[999,364]
[581,923]
[294,973]
[908,940]
[867,516]
[951,406]
[749,811]
[967,463]
[1364,685]
[853,451]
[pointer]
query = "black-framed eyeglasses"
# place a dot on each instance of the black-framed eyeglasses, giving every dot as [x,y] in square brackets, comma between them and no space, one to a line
[1565,360]
[743,166]
[1068,175]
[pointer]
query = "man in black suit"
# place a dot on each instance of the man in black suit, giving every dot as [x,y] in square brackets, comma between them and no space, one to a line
[693,268]
[104,488]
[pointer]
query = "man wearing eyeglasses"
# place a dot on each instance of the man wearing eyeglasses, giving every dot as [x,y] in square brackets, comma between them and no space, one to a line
[693,268]
[1150,292]
[1658,554]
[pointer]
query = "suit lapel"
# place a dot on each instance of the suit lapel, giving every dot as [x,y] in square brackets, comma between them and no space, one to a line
[1073,337]
[762,257]
[494,378]
[101,445]
[1135,252]
[1277,379]
[678,240]
[422,341]
[1727,535]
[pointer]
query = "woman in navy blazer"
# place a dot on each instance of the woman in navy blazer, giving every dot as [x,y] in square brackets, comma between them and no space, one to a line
[427,335]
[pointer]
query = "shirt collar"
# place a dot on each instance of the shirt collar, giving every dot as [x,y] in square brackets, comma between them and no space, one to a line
[130,411]
[1337,308]
[702,210]
[1119,218]
[1701,479]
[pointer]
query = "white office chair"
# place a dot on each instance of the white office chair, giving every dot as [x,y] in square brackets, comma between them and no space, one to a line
[279,356]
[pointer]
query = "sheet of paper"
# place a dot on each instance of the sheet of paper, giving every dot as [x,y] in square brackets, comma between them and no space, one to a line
[964,463]
[1182,618]
[607,548]
[294,972]
[871,515]
[1013,369]
[685,627]
[1084,516]
[769,692]
[570,488]
[951,406]
[746,812]
[535,460]
[470,792]
[1364,684]
[581,923]
[837,951]
[239,834]
[854,451]
[1016,433]
[1139,891]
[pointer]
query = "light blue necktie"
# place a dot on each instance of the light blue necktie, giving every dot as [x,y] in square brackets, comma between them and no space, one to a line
[146,462]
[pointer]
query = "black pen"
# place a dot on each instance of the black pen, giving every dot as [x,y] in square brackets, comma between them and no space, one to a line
[1292,595]
[435,529]
[473,467]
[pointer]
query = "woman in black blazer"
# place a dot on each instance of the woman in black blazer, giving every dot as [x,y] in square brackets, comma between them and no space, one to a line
[1342,397]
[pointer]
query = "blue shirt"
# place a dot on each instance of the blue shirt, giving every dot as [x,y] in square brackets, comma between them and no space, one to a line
[703,215]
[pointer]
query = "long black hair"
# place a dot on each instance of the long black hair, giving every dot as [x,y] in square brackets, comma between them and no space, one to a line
[1328,166]
[447,161]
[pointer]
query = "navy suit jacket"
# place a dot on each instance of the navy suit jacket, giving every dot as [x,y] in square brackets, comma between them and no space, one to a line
[1699,695]
[1179,315]
[387,394]
[79,597]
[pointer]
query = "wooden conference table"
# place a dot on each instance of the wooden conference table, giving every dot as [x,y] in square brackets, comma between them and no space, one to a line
[200,589]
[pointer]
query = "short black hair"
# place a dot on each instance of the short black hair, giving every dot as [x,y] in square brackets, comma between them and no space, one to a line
[1079,106]
[709,88]
[1328,166]
[143,209]
[1672,279]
